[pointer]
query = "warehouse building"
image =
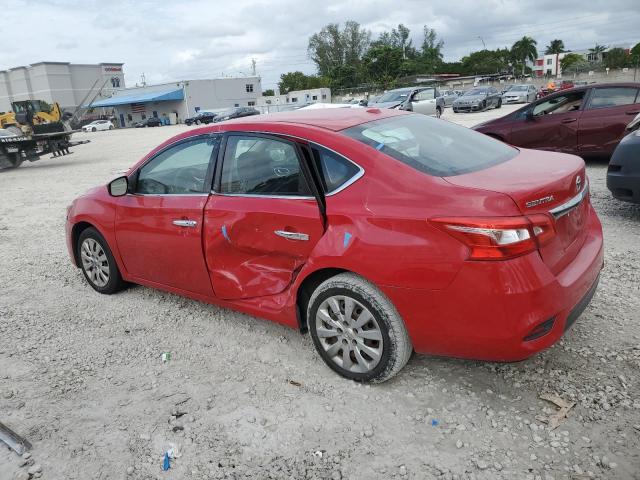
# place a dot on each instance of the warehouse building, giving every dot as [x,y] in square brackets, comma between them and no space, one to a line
[69,84]
[294,99]
[173,102]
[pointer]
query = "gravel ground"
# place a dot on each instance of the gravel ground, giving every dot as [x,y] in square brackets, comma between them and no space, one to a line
[81,374]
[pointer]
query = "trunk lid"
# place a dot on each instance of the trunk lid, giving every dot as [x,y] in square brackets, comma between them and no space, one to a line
[542,182]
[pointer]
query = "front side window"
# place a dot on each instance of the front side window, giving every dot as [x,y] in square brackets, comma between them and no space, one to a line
[568,102]
[181,169]
[428,94]
[335,169]
[613,97]
[432,146]
[256,165]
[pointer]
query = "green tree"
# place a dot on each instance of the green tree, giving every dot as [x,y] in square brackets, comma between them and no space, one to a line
[635,52]
[431,51]
[299,81]
[616,58]
[523,50]
[268,92]
[486,61]
[338,52]
[573,62]
[383,64]
[556,46]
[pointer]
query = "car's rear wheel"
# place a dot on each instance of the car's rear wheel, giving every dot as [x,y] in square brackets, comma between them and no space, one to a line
[197,122]
[499,103]
[356,329]
[438,112]
[110,127]
[97,262]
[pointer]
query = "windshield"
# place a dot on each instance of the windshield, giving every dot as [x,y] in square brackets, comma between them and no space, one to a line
[476,91]
[432,146]
[393,96]
[519,88]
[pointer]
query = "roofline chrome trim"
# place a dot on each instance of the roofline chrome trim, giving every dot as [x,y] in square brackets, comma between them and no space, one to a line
[565,208]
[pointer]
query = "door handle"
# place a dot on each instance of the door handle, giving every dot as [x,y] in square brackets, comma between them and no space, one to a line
[292,235]
[632,112]
[185,223]
[569,120]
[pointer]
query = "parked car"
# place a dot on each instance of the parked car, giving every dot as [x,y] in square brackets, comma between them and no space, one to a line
[425,100]
[305,209]
[478,99]
[519,94]
[586,121]
[237,112]
[449,96]
[623,174]
[201,117]
[148,122]
[98,125]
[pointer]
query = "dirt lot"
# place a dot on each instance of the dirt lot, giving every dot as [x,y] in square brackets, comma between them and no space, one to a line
[81,375]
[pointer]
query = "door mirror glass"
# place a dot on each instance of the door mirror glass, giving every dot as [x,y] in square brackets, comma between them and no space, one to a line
[119,187]
[529,114]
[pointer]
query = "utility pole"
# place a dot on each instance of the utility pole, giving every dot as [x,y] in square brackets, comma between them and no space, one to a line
[484,47]
[253,67]
[143,80]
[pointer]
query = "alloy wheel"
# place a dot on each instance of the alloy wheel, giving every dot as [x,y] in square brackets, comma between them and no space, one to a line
[349,334]
[95,262]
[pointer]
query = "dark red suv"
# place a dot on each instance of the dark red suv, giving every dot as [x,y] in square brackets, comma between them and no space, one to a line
[585,121]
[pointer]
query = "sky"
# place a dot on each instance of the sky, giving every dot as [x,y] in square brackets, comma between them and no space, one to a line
[192,39]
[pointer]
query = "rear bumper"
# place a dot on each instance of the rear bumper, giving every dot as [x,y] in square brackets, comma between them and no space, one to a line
[495,310]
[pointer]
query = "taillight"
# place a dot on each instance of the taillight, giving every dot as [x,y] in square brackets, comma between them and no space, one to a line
[499,238]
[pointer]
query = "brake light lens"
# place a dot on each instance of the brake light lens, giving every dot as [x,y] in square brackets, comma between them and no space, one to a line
[499,238]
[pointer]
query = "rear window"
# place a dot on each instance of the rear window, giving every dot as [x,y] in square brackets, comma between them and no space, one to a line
[432,146]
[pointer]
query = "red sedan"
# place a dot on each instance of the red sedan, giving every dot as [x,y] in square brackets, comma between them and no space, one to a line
[585,121]
[378,231]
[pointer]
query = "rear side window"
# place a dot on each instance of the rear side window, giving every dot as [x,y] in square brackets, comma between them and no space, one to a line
[613,97]
[261,166]
[432,146]
[336,170]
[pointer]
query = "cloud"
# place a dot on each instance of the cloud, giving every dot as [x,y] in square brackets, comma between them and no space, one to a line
[204,39]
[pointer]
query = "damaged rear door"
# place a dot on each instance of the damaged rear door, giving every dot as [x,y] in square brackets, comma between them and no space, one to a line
[263,219]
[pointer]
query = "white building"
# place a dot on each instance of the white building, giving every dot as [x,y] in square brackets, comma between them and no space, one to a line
[69,84]
[294,99]
[175,101]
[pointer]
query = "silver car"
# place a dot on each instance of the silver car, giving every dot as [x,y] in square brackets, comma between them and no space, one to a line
[519,94]
[449,96]
[425,100]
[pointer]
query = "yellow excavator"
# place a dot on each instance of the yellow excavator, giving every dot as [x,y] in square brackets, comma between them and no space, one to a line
[33,116]
[33,128]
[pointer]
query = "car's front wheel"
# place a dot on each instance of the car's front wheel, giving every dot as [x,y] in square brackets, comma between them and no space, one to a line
[197,122]
[97,262]
[438,112]
[499,103]
[356,329]
[94,129]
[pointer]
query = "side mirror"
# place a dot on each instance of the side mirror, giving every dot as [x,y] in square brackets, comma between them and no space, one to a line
[119,187]
[529,115]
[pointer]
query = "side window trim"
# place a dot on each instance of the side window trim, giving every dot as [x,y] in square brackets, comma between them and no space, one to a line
[217,187]
[223,144]
[210,170]
[357,176]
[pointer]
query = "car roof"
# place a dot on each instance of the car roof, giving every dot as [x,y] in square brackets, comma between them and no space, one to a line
[334,119]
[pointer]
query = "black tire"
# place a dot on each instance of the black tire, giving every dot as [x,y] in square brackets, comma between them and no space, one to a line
[111,127]
[438,112]
[499,103]
[197,122]
[114,282]
[94,129]
[395,344]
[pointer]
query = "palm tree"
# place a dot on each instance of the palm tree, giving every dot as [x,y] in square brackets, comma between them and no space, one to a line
[556,46]
[525,49]
[596,52]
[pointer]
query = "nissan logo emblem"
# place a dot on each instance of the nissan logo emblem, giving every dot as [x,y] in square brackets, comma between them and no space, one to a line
[578,183]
